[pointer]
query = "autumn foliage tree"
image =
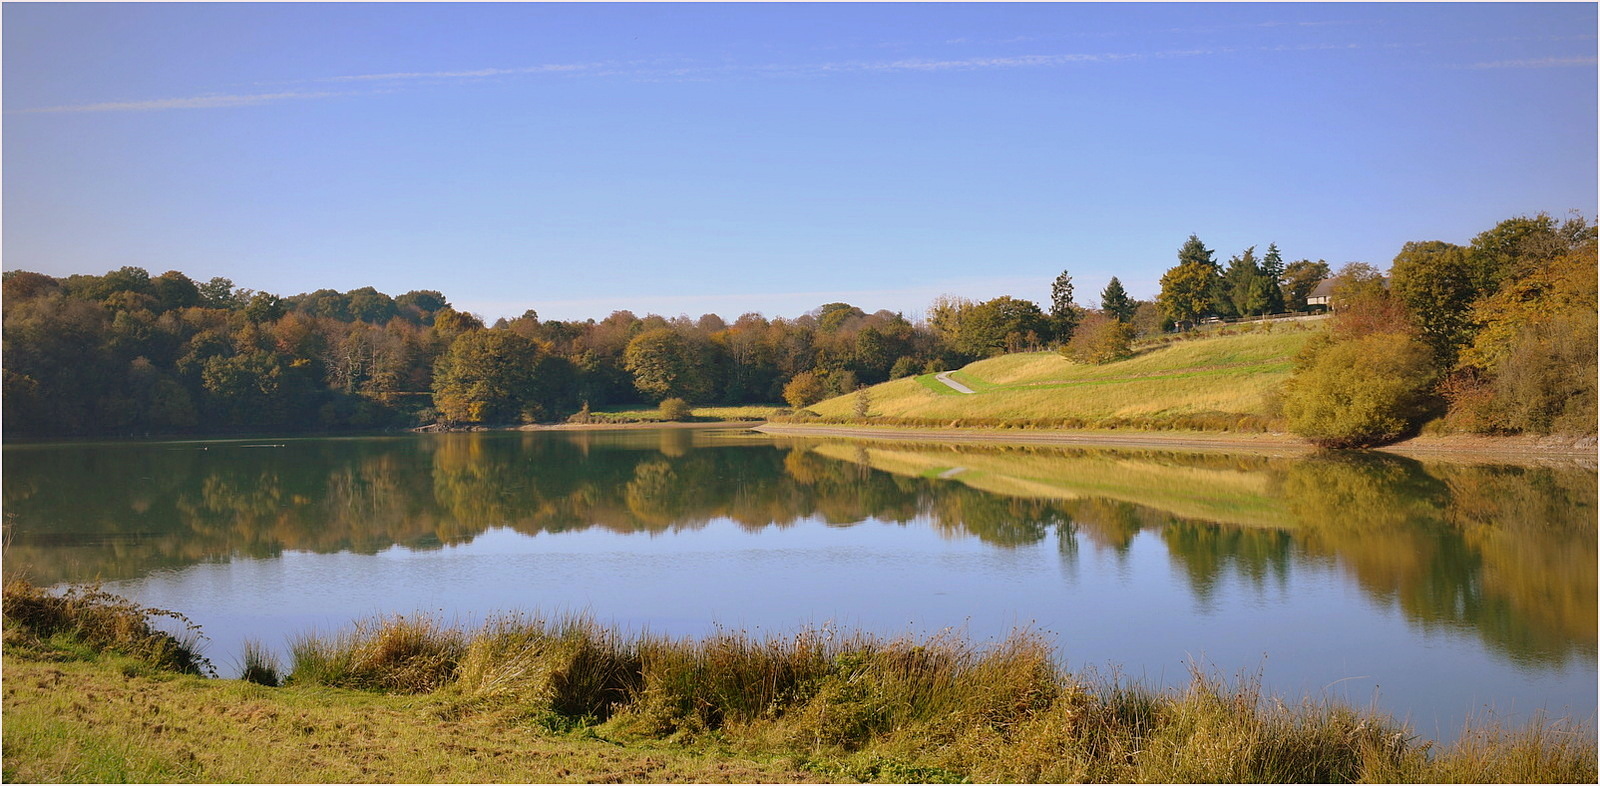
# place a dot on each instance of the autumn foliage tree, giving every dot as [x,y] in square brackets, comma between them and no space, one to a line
[490,376]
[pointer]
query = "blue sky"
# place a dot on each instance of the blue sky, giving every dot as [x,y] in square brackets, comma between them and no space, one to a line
[582,158]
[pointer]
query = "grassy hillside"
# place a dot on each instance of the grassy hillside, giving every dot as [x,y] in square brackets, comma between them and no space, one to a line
[1219,382]
[1216,490]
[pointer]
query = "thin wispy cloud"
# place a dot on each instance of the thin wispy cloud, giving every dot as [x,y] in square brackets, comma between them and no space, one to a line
[472,74]
[1544,62]
[209,101]
[683,71]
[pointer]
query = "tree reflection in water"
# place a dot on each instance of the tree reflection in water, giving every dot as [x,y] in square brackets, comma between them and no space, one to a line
[1508,552]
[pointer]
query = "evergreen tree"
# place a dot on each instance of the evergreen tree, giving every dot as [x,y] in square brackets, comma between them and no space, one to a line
[1272,271]
[1245,285]
[1195,254]
[1064,314]
[1114,300]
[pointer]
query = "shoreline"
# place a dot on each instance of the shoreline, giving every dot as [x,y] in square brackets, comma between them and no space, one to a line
[103,696]
[1519,449]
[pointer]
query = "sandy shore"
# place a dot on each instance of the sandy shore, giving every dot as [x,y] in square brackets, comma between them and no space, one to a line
[749,424]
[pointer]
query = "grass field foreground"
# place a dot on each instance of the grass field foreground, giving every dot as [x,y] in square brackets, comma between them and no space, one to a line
[1220,382]
[527,699]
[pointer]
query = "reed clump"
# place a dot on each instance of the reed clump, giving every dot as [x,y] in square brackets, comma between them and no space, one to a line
[844,705]
[569,666]
[398,654]
[259,665]
[934,708]
[82,620]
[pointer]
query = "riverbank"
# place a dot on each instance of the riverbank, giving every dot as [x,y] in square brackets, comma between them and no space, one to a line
[565,700]
[1514,449]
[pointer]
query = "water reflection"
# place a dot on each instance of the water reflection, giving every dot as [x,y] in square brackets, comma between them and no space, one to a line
[1506,552]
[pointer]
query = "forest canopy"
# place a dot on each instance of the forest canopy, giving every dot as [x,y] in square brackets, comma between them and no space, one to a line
[1506,327]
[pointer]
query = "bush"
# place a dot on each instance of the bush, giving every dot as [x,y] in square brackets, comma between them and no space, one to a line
[1546,383]
[1099,339]
[804,390]
[676,410]
[1359,392]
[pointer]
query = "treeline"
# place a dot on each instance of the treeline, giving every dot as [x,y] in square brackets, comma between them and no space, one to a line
[1498,337]
[130,353]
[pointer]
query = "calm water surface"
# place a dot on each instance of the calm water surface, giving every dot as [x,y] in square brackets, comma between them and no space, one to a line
[1434,589]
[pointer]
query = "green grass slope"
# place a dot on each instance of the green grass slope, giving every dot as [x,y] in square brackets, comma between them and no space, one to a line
[1200,382]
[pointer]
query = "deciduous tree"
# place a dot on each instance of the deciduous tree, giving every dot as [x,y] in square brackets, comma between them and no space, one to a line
[489,376]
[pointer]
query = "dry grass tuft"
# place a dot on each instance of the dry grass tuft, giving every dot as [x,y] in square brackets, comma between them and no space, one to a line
[82,620]
[396,654]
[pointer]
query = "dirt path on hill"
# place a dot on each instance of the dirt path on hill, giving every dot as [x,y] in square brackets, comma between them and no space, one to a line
[944,376]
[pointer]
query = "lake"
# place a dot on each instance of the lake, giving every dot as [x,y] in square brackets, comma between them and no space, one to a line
[1433,590]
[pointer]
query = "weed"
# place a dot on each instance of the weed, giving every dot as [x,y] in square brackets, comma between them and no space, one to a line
[83,620]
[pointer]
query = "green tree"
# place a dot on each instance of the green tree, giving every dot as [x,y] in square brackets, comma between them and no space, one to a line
[1272,269]
[371,306]
[419,305]
[1246,285]
[328,303]
[871,354]
[1194,252]
[174,290]
[666,364]
[1298,279]
[994,326]
[264,307]
[489,376]
[1064,313]
[1186,293]
[1114,300]
[1439,282]
[1202,270]
[218,293]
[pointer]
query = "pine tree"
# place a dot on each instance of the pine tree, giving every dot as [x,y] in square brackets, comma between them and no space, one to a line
[1114,301]
[1272,270]
[1245,285]
[1064,314]
[1194,253]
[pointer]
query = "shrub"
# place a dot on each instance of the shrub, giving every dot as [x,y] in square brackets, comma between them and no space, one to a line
[1546,383]
[1099,339]
[804,390]
[676,410]
[1359,392]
